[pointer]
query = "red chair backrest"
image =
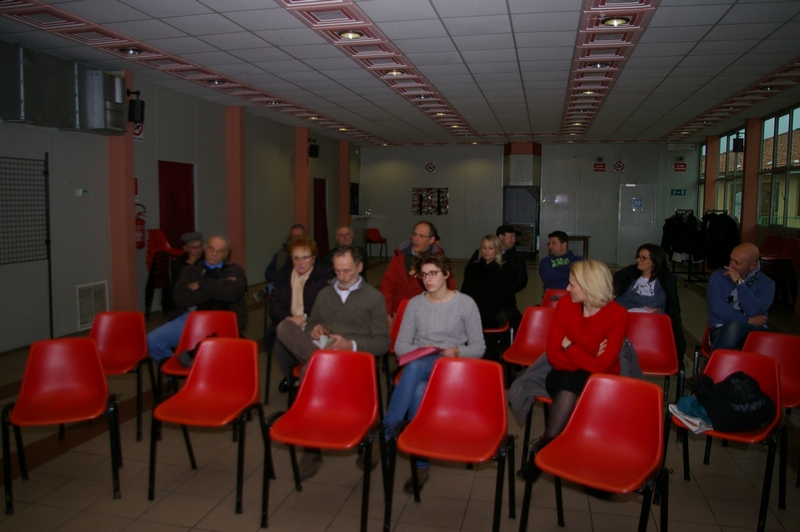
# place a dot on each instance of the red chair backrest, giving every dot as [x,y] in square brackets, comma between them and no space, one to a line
[465,391]
[770,244]
[121,338]
[225,370]
[624,412]
[157,241]
[530,342]
[59,373]
[398,320]
[764,369]
[342,382]
[652,339]
[705,344]
[202,323]
[552,295]
[785,348]
[374,234]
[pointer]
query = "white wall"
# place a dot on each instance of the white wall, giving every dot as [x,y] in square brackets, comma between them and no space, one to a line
[473,174]
[593,208]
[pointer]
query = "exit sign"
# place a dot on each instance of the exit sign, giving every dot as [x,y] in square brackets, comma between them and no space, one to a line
[677,192]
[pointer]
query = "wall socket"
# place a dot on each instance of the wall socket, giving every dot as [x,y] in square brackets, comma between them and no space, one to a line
[80,192]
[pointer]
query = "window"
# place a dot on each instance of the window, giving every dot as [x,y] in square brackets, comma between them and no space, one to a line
[779,179]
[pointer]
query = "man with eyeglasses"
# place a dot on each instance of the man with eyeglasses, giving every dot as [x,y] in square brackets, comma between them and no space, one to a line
[209,284]
[554,268]
[400,280]
[349,315]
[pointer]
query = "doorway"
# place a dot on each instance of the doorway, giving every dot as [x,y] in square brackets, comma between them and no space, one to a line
[175,200]
[637,211]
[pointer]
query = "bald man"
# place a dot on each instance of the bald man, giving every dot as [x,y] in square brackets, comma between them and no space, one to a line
[739,297]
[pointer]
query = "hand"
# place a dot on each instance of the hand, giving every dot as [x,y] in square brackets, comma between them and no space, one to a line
[565,342]
[731,274]
[341,343]
[298,320]
[318,331]
[603,345]
[391,319]
[759,321]
[451,352]
[652,310]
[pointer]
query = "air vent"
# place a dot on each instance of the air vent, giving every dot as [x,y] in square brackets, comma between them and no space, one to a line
[92,298]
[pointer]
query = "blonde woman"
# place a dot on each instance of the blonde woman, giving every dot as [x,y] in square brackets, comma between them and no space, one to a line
[489,282]
[586,337]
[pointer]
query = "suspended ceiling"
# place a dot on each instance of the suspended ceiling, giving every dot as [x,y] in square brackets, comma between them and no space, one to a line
[427,72]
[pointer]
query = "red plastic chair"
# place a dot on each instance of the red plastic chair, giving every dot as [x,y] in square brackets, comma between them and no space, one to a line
[63,383]
[529,344]
[610,448]
[785,348]
[462,418]
[199,325]
[652,338]
[770,244]
[703,349]
[329,413]
[552,295]
[122,341]
[157,241]
[222,388]
[374,236]
[764,369]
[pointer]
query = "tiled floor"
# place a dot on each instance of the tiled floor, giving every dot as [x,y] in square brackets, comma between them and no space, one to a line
[70,489]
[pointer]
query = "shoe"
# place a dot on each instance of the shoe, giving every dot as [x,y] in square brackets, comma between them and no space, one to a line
[283,387]
[376,457]
[309,465]
[530,471]
[422,478]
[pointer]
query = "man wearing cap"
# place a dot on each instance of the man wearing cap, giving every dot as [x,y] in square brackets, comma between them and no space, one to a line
[193,246]
[554,269]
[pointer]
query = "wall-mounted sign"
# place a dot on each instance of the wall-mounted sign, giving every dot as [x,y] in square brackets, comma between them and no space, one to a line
[599,167]
[680,167]
[430,168]
[637,204]
[619,166]
[677,192]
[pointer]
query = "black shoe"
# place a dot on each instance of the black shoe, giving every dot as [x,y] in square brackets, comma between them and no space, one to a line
[283,387]
[530,471]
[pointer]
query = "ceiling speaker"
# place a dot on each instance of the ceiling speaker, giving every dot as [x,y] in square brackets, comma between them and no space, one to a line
[738,145]
[313,150]
[136,111]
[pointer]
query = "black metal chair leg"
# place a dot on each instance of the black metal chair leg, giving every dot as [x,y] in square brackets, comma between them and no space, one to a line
[189,446]
[239,425]
[7,461]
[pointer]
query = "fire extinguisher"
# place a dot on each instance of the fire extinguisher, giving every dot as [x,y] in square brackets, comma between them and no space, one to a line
[141,226]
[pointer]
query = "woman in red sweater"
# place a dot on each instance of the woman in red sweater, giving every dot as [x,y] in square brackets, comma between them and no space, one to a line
[586,337]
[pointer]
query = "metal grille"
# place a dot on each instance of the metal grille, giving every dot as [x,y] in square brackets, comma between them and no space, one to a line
[23,210]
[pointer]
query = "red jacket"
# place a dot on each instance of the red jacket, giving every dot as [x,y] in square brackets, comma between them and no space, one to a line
[397,285]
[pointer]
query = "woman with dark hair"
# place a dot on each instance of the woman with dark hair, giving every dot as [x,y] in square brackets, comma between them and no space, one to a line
[649,286]
[439,317]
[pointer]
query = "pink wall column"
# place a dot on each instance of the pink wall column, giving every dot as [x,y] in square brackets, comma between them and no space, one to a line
[302,179]
[344,182]
[122,212]
[235,180]
[712,171]
[752,156]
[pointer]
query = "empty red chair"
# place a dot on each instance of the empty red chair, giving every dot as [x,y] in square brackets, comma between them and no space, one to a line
[63,383]
[652,339]
[764,369]
[530,343]
[200,325]
[785,348]
[329,412]
[552,295]
[122,341]
[374,236]
[221,388]
[462,418]
[610,447]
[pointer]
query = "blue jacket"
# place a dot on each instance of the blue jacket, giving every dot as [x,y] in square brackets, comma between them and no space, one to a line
[754,300]
[554,271]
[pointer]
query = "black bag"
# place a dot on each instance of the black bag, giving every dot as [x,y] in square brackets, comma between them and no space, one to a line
[734,404]
[187,357]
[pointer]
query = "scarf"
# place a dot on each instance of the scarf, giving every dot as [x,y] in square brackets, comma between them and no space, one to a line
[298,282]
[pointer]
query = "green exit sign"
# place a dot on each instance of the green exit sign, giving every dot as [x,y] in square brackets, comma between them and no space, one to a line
[678,192]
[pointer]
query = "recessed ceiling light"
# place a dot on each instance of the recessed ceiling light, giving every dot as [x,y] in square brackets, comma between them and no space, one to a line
[350,35]
[599,64]
[577,124]
[441,114]
[342,129]
[215,82]
[616,21]
[588,92]
[130,51]
[313,118]
[394,73]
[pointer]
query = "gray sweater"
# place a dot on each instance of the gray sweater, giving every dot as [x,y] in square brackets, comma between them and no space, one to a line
[454,323]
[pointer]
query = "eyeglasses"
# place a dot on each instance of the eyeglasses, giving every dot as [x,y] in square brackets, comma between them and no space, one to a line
[212,250]
[642,257]
[432,274]
[418,235]
[303,258]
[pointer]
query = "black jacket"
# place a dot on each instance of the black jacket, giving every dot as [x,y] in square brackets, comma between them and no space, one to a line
[490,285]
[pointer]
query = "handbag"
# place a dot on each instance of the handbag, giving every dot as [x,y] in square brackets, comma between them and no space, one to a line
[734,404]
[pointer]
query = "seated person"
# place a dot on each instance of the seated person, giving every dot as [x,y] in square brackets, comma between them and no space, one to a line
[209,284]
[193,246]
[294,292]
[439,317]
[586,337]
[487,280]
[649,286]
[344,237]
[739,297]
[281,258]
[554,269]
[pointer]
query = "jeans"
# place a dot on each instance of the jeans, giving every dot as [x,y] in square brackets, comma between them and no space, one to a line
[732,335]
[162,341]
[408,395]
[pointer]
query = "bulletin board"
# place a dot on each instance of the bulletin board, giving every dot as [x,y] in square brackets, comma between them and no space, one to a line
[430,201]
